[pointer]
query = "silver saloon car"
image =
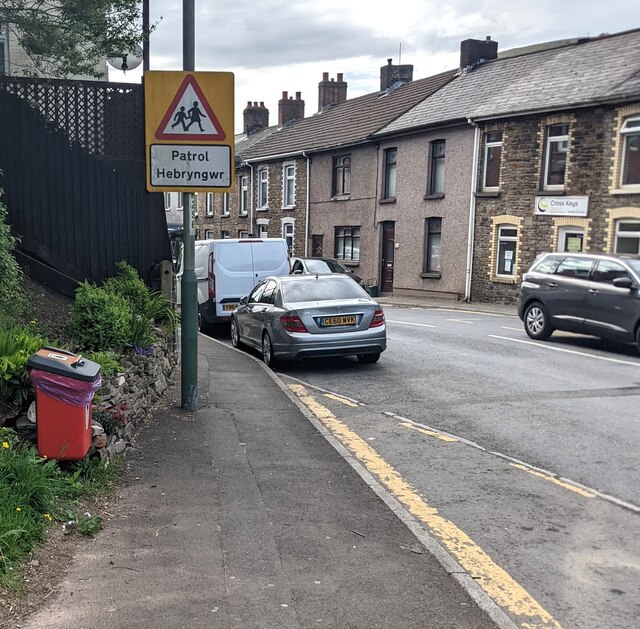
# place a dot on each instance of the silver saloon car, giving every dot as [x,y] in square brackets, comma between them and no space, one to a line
[308,316]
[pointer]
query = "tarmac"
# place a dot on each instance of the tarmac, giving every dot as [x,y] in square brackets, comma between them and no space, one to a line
[244,514]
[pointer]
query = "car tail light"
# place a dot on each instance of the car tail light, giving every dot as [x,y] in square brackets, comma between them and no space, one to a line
[292,323]
[378,318]
[211,282]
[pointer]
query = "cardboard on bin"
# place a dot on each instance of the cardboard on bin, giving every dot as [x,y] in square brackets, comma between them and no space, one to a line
[64,363]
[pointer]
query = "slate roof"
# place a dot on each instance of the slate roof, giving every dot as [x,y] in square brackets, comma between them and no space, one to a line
[244,142]
[605,69]
[348,123]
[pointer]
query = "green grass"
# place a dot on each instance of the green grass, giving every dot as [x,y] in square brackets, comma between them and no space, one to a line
[36,494]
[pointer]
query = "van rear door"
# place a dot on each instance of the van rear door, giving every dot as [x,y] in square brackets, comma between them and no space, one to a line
[233,270]
[270,257]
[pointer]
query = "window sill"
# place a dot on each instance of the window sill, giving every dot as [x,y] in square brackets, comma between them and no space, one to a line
[288,207]
[341,197]
[498,279]
[262,209]
[550,192]
[488,194]
[431,275]
[433,197]
[387,200]
[226,215]
[242,214]
[349,263]
[628,190]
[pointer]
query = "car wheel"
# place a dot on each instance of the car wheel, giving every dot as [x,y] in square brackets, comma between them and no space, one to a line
[267,351]
[368,359]
[235,335]
[536,322]
[203,326]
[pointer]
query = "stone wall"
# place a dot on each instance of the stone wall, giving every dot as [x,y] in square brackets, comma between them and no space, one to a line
[126,399]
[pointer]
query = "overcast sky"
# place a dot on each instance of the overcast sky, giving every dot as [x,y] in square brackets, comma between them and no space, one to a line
[282,45]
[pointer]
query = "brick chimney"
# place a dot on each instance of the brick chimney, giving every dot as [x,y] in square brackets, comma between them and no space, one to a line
[331,92]
[390,75]
[290,109]
[256,117]
[475,51]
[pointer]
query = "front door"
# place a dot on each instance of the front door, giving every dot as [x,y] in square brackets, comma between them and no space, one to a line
[388,250]
[316,246]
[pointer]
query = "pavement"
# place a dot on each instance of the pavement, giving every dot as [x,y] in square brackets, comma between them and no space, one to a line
[244,514]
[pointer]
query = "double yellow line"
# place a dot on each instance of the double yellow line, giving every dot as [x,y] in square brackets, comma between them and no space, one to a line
[494,580]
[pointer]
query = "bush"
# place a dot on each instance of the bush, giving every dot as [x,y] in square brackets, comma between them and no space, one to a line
[100,319]
[16,346]
[11,287]
[127,284]
[108,362]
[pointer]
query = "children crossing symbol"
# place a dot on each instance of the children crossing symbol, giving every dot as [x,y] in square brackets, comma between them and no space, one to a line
[190,116]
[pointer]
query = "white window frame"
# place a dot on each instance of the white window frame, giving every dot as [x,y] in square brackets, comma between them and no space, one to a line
[625,132]
[180,205]
[487,147]
[225,234]
[209,204]
[263,230]
[263,189]
[627,234]
[167,200]
[437,164]
[4,46]
[552,139]
[244,195]
[209,234]
[564,231]
[503,238]
[243,233]
[225,204]
[288,233]
[288,178]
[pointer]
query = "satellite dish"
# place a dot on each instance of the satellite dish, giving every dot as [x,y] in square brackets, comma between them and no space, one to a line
[128,60]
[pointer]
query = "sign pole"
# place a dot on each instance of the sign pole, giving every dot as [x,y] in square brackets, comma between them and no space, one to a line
[189,287]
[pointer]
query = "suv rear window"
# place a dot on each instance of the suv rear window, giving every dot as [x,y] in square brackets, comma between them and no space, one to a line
[548,264]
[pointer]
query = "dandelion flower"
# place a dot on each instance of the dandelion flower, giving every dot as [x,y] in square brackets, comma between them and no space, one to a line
[5,444]
[18,509]
[47,517]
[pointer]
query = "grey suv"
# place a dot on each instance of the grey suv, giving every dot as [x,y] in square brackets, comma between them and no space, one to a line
[596,294]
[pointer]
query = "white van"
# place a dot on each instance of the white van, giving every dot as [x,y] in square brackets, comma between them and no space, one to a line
[228,269]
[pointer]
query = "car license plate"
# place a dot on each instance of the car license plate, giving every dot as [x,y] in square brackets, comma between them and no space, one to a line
[327,322]
[229,306]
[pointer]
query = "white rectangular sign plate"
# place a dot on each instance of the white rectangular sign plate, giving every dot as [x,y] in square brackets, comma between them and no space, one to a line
[190,166]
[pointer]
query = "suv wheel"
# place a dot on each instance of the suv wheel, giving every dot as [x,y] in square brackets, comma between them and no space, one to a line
[536,322]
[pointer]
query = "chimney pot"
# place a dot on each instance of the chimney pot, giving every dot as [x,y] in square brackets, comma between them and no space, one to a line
[389,61]
[261,103]
[340,75]
[325,76]
[285,95]
[298,95]
[248,103]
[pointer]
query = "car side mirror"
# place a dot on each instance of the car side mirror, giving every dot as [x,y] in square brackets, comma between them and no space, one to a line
[623,282]
[297,272]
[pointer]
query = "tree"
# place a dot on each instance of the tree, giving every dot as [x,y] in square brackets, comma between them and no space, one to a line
[63,38]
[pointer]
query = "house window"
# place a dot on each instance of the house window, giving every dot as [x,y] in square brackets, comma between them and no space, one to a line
[341,176]
[242,233]
[167,200]
[390,167]
[630,132]
[263,188]
[571,239]
[288,185]
[180,200]
[209,207]
[555,162]
[432,245]
[492,157]
[244,195]
[225,204]
[262,231]
[3,56]
[507,239]
[208,234]
[224,234]
[627,237]
[347,243]
[287,234]
[436,178]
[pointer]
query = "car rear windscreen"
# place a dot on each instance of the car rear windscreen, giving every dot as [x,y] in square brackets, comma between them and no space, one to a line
[320,290]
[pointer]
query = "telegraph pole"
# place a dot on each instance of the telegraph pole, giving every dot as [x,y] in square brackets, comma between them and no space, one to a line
[189,287]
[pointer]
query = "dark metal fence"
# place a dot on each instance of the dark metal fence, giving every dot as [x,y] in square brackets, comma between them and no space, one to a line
[73,172]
